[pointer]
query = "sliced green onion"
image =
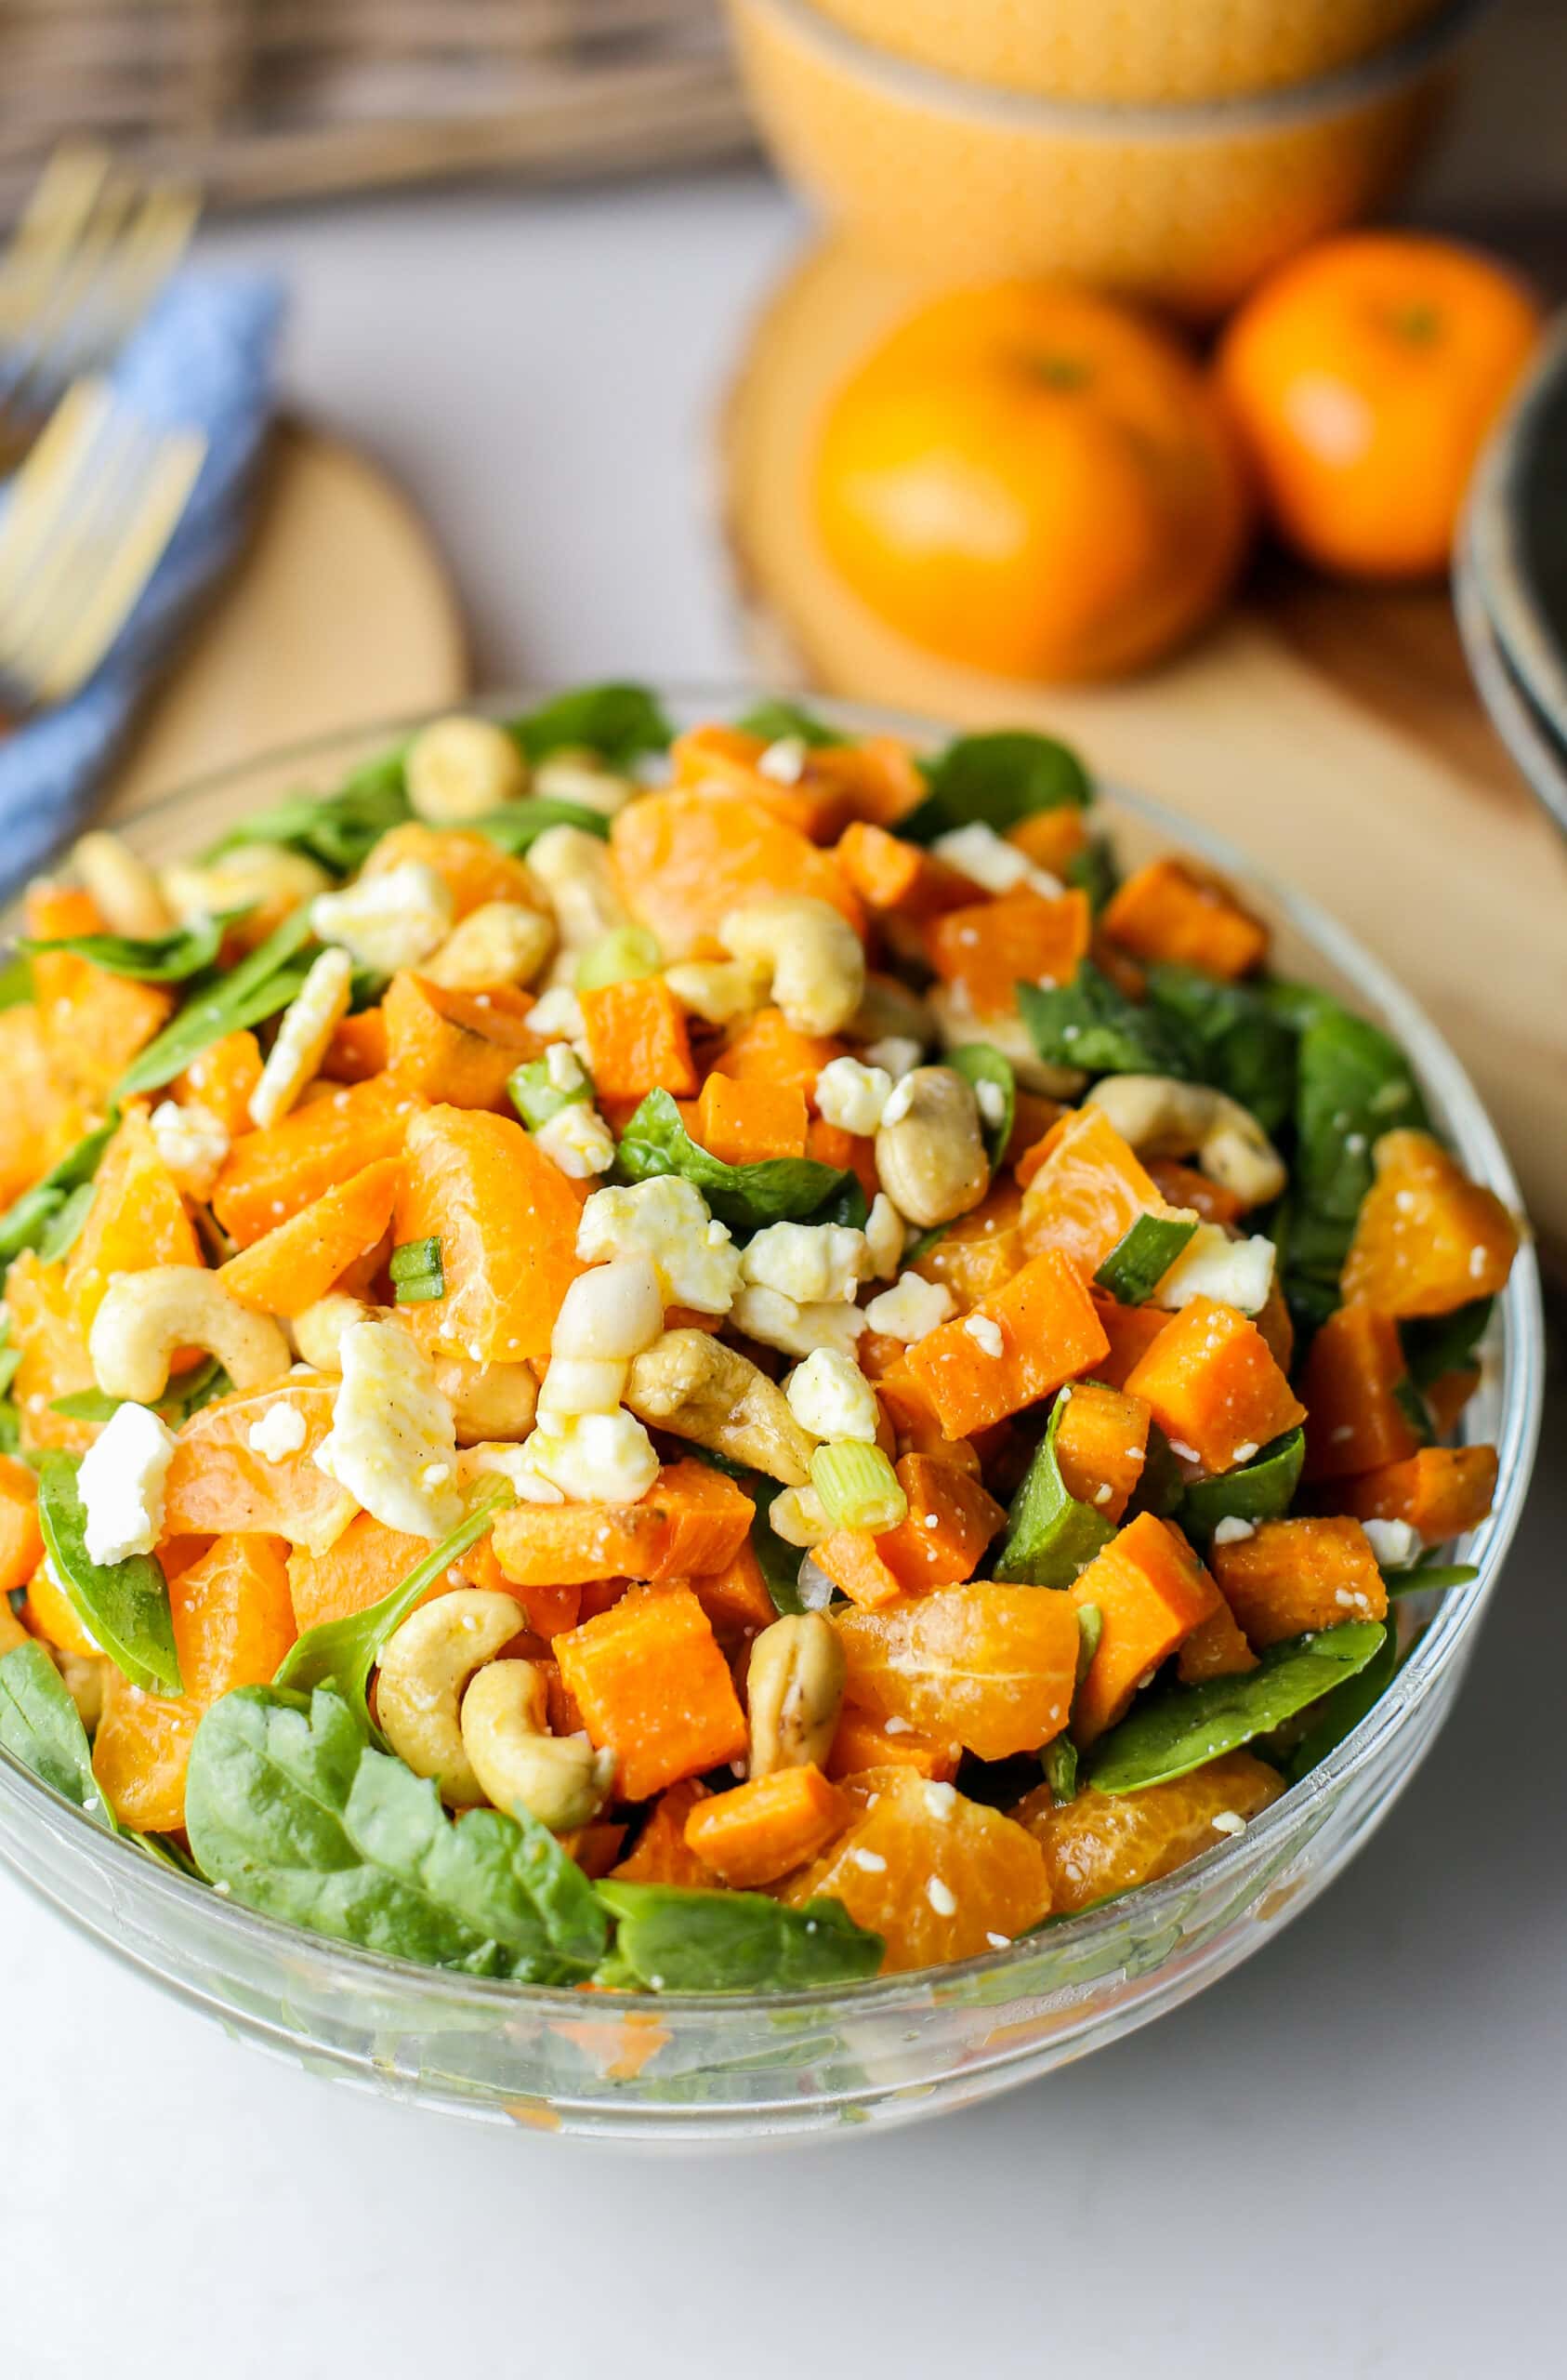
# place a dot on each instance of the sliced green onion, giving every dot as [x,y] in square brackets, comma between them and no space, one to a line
[536,1098]
[618,958]
[858,1486]
[418,1273]
[1060,1768]
[1140,1259]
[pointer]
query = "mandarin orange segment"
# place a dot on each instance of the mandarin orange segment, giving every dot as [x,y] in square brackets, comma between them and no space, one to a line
[507,1220]
[991,1666]
[458,1047]
[137,1217]
[1426,1238]
[50,1614]
[359,1568]
[36,1100]
[288,1269]
[22,1542]
[1215,1389]
[54,1359]
[219,1483]
[93,1023]
[1101,1844]
[684,860]
[979,1253]
[220,1079]
[268,1176]
[1150,1591]
[1088,1191]
[936,1875]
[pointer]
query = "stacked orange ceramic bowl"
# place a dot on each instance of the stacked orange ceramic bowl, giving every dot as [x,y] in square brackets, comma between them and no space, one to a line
[1174,150]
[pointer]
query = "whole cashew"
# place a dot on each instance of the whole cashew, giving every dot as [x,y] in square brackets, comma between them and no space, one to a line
[124,887]
[794,1692]
[263,875]
[459,767]
[573,869]
[580,776]
[1161,1116]
[561,1780]
[689,1384]
[317,1328]
[817,960]
[146,1315]
[721,991]
[930,1148]
[424,1666]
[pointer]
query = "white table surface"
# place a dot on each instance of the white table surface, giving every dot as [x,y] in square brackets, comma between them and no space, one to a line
[1349,2158]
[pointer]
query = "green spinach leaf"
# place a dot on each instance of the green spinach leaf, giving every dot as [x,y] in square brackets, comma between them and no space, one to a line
[256,988]
[125,1603]
[1241,1046]
[777,720]
[996,781]
[780,1189]
[1342,1711]
[1178,1730]
[1093,871]
[25,1222]
[619,722]
[673,1937]
[1142,1256]
[1430,1578]
[185,1396]
[1091,1023]
[1050,1538]
[1261,1490]
[995,1087]
[40,1727]
[163,959]
[1444,1343]
[516,826]
[338,830]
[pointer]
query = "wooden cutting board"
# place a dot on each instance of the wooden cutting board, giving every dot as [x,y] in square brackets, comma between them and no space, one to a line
[339,611]
[1333,734]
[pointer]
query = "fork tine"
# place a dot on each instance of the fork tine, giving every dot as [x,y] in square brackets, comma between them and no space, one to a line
[132,272]
[49,227]
[34,364]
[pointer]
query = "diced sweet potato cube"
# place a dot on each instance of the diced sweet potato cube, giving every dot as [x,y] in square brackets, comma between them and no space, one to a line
[691,1523]
[1174,910]
[22,1542]
[653,1687]
[1441,1492]
[890,874]
[661,1854]
[983,953]
[1354,1418]
[1150,1591]
[1049,1334]
[1101,1444]
[1214,1386]
[288,1269]
[1294,1575]
[862,1742]
[1215,1648]
[638,1040]
[745,1123]
[764,1828]
[765,1049]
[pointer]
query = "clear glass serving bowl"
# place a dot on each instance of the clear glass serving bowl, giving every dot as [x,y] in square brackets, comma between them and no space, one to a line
[706,2068]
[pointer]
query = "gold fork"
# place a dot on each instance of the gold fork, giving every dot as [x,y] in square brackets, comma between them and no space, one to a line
[90,253]
[89,516]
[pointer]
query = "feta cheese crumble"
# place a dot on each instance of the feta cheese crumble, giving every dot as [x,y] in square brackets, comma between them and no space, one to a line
[193,1143]
[308,1023]
[1234,1272]
[279,1432]
[120,1484]
[911,1309]
[389,920]
[389,1422]
[831,1397]
[1395,1544]
[813,1264]
[666,1219]
[852,1095]
[987,858]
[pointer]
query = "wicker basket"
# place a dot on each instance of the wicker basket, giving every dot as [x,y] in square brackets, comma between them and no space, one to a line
[263,99]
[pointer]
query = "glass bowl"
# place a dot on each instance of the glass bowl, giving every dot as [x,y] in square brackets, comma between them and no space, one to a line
[703,2068]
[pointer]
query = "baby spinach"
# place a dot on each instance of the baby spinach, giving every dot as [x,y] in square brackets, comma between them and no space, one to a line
[125,1603]
[1142,1256]
[1185,1725]
[1093,871]
[40,1727]
[25,1222]
[516,826]
[1261,1490]
[980,1064]
[672,1938]
[618,722]
[63,1229]
[1242,1046]
[1430,1578]
[1353,1085]
[289,1806]
[16,983]
[780,1189]
[778,721]
[338,830]
[162,959]
[1050,1536]
[341,1653]
[256,988]
[185,1396]
[996,781]
[1091,1023]
[1344,1707]
[1444,1343]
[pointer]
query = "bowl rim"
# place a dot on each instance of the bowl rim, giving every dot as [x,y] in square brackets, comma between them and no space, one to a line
[1343,90]
[1445,1641]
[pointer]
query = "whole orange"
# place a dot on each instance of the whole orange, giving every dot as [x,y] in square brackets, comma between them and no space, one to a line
[1031,480]
[1364,377]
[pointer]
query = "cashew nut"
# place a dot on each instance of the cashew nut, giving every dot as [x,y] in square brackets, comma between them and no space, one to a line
[1008,1034]
[424,1666]
[817,960]
[458,768]
[317,1328]
[260,876]
[124,887]
[573,869]
[889,1011]
[930,1148]
[501,941]
[1158,1116]
[689,1384]
[487,1400]
[721,991]
[146,1315]
[794,1692]
[571,775]
[561,1780]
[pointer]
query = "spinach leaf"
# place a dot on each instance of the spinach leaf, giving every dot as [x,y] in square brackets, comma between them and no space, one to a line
[1353,1085]
[257,987]
[1430,1578]
[40,1727]
[777,720]
[673,1937]
[1444,1343]
[1261,1490]
[1050,1538]
[996,781]
[1091,1024]
[1241,1046]
[780,1189]
[27,1219]
[16,983]
[63,1229]
[516,826]
[618,722]
[125,1603]
[1093,871]
[1185,1725]
[162,959]
[184,1397]
[341,1653]
[984,1068]
[338,830]
[288,1805]
[1343,1709]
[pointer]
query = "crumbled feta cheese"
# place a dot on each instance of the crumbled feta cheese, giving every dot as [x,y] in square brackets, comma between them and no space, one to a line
[1229,1823]
[389,1419]
[852,1095]
[896,1054]
[595,1458]
[784,759]
[987,858]
[193,1143]
[389,920]
[1234,1272]
[911,1308]
[813,1586]
[831,1397]
[697,1263]
[308,1023]
[120,1484]
[556,1015]
[941,1898]
[885,1237]
[563,1068]
[991,1099]
[279,1432]
[940,1799]
[576,1138]
[1395,1544]
[1234,1530]
[811,1262]
[985,1334]
[899,1103]
[778,1321]
[499,1457]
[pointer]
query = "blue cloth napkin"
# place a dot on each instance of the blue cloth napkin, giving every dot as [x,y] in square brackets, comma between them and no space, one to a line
[203,359]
